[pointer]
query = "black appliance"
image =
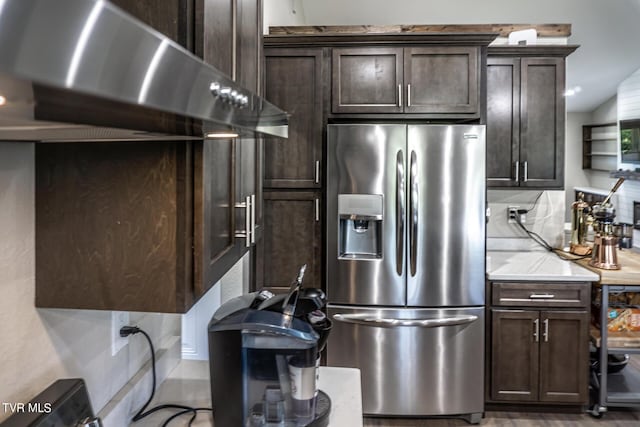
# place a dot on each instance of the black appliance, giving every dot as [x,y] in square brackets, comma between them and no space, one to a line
[65,403]
[263,354]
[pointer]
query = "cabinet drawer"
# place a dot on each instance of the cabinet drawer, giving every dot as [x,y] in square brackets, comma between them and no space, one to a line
[537,294]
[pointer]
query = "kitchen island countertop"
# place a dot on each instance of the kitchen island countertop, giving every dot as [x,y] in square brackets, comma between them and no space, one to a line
[535,266]
[188,384]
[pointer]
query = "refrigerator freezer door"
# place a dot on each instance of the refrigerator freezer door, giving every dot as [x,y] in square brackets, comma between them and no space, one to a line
[446,211]
[414,362]
[367,160]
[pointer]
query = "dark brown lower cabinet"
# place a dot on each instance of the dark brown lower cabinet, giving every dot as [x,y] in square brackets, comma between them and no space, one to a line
[292,237]
[538,355]
[514,356]
[563,360]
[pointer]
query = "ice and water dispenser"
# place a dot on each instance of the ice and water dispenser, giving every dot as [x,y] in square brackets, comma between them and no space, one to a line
[360,230]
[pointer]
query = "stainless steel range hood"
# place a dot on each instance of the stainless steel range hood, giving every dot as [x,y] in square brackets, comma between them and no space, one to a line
[82,70]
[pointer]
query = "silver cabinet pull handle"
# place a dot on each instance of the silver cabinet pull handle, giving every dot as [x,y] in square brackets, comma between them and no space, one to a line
[517,171]
[536,331]
[317,209]
[541,296]
[253,219]
[317,172]
[383,322]
[546,330]
[399,95]
[409,95]
[246,234]
[413,215]
[400,208]
[526,171]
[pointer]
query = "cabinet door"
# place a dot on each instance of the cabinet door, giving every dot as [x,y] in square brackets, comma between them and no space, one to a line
[542,111]
[215,34]
[367,80]
[503,121]
[249,40]
[294,83]
[113,226]
[564,356]
[214,222]
[515,336]
[246,179]
[292,237]
[173,18]
[441,79]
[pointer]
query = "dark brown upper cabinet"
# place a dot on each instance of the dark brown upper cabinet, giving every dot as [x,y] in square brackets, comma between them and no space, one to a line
[173,18]
[367,80]
[138,226]
[152,226]
[224,33]
[228,36]
[526,116]
[294,82]
[426,80]
[215,34]
[215,247]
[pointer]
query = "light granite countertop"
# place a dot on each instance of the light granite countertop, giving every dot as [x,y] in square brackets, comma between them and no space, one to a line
[535,265]
[188,384]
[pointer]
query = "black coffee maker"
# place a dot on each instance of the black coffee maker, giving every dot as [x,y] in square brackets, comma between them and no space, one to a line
[263,356]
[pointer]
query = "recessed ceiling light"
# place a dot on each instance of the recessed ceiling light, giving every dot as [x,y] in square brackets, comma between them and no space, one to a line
[572,91]
[3,100]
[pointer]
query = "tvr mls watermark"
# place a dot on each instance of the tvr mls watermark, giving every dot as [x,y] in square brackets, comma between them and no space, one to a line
[31,407]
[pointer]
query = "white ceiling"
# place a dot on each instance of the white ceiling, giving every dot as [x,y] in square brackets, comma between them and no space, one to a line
[608,31]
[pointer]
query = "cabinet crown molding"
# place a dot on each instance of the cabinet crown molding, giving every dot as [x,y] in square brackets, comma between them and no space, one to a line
[503,30]
[381,39]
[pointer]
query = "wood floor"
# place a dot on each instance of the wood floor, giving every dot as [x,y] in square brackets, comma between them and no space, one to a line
[613,418]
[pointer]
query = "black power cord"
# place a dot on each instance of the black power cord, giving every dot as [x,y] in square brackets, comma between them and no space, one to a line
[539,240]
[125,331]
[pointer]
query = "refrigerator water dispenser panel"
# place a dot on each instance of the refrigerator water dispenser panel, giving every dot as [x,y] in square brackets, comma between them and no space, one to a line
[360,230]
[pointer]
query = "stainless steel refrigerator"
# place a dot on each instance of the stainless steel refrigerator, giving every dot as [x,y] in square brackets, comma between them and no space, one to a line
[406,265]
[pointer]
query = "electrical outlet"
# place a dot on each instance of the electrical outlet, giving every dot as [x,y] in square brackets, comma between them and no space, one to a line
[512,213]
[118,320]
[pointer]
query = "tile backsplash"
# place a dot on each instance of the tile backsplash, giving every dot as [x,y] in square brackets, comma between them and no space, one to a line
[546,218]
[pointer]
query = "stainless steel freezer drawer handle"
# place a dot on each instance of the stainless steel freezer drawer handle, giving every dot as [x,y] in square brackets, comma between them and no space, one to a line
[365,319]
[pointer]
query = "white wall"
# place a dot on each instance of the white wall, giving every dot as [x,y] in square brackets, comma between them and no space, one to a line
[629,108]
[574,175]
[40,346]
[282,13]
[194,323]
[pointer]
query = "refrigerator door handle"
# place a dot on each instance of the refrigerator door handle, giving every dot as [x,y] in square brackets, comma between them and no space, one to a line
[413,216]
[382,322]
[400,212]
